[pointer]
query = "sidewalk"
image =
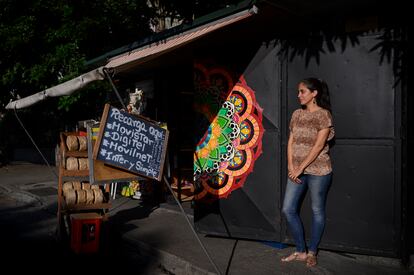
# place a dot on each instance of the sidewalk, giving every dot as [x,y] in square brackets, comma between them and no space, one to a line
[166,233]
[160,236]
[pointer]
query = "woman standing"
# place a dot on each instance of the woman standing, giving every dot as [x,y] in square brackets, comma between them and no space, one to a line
[309,166]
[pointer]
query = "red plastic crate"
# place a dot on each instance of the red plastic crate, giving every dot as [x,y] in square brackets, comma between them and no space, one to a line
[85,232]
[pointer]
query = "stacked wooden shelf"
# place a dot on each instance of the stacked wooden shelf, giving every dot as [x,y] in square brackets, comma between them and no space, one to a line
[66,175]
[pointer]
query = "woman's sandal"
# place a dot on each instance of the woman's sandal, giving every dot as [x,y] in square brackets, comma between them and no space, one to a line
[311,260]
[294,257]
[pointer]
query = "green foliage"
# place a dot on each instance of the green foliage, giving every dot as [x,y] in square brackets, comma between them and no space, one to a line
[46,42]
[65,102]
[90,100]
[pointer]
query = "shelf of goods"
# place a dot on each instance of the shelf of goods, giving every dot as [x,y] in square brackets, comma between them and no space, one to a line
[75,193]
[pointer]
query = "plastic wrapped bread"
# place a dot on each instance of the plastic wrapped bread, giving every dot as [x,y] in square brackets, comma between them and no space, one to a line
[83,145]
[72,143]
[77,185]
[83,163]
[94,186]
[81,196]
[72,163]
[70,197]
[98,195]
[86,185]
[67,186]
[90,196]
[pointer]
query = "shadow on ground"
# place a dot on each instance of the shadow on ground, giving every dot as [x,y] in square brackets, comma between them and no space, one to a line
[29,243]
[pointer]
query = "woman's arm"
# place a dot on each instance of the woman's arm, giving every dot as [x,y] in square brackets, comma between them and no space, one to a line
[289,152]
[321,139]
[291,167]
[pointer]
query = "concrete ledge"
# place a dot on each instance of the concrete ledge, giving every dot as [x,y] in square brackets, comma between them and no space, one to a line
[169,262]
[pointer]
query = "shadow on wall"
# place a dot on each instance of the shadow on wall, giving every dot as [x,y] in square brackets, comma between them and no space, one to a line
[312,44]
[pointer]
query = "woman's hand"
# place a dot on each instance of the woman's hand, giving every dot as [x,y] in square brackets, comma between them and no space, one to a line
[294,175]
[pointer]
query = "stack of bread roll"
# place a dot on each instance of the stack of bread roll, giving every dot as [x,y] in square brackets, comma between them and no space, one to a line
[76,143]
[73,163]
[76,192]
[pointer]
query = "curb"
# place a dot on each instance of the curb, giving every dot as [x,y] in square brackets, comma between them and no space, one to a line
[169,262]
[20,196]
[4,189]
[376,260]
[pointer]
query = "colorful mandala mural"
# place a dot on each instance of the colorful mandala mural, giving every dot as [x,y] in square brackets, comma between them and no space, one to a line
[229,134]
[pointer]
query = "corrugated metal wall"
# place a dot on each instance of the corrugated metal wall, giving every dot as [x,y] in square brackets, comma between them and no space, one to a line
[364,202]
[365,206]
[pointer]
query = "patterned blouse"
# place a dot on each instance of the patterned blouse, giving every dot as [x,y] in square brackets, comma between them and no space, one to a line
[304,127]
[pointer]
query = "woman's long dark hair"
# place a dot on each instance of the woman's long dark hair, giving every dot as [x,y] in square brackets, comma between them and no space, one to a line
[322,97]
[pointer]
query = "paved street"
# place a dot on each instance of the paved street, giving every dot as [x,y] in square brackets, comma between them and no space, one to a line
[28,231]
[140,238]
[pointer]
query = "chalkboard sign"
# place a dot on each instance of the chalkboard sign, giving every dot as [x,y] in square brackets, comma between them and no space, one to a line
[132,143]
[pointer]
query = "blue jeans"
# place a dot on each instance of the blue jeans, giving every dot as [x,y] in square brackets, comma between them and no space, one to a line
[318,186]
